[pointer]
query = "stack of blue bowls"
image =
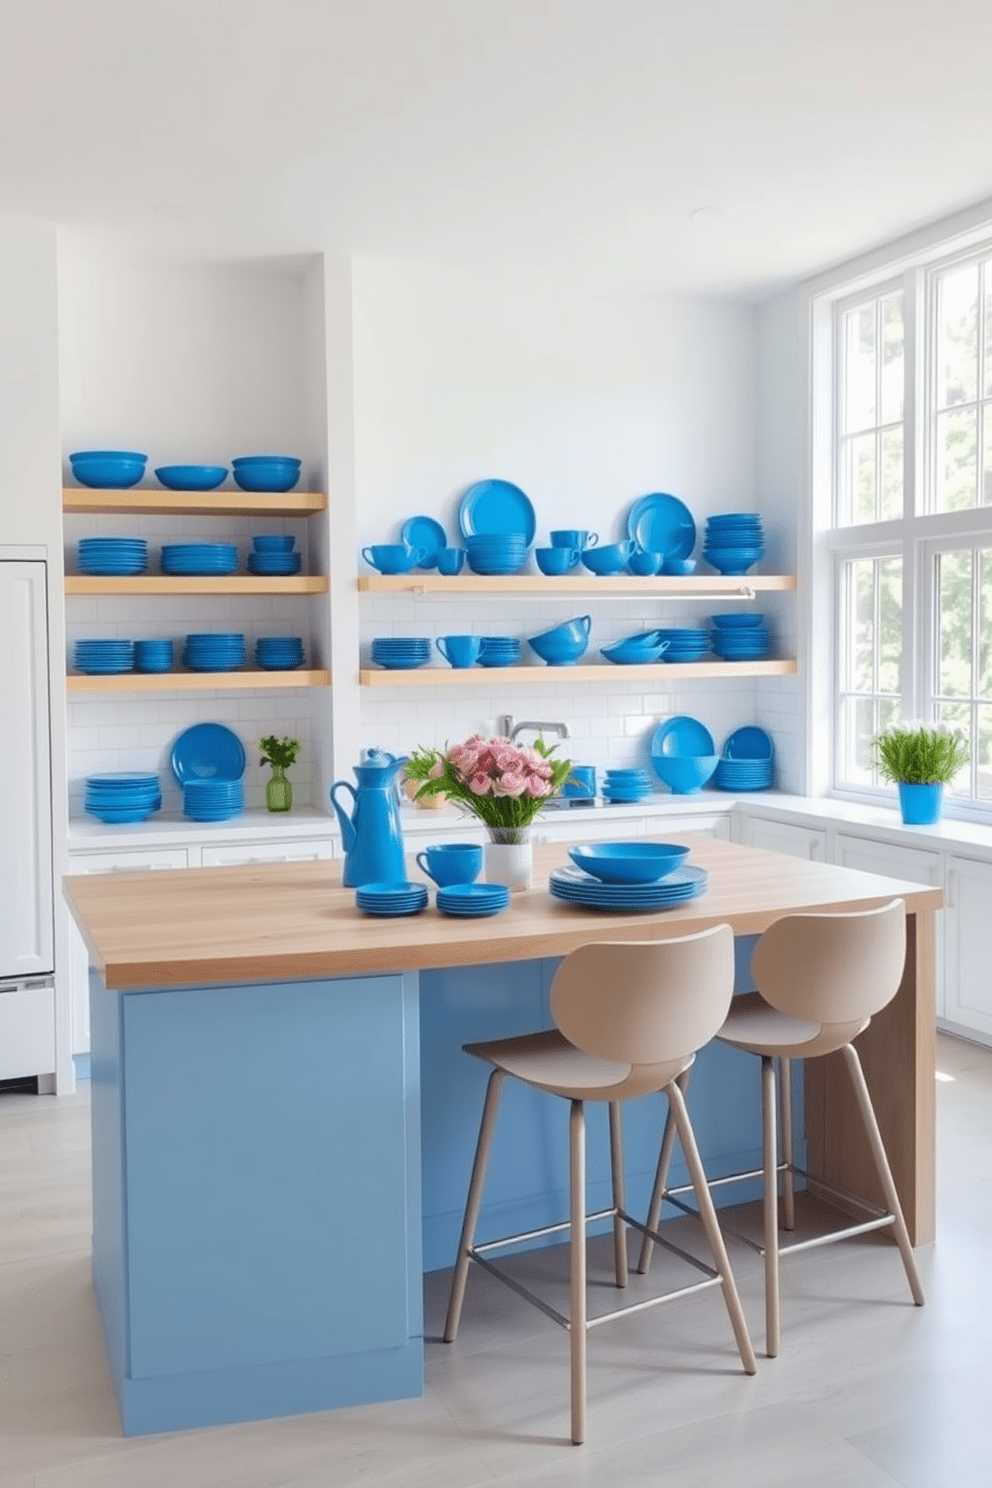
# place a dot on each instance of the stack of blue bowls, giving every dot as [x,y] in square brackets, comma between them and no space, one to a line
[222,651]
[130,796]
[153,656]
[500,651]
[621,786]
[272,553]
[747,761]
[685,642]
[104,658]
[496,552]
[266,472]
[738,637]
[209,799]
[112,555]
[733,542]
[112,470]
[401,653]
[200,559]
[279,653]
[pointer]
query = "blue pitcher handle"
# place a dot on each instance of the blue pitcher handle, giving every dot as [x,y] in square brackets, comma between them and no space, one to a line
[347,826]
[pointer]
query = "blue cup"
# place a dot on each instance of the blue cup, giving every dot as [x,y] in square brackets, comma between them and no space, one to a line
[645,564]
[573,537]
[460,650]
[556,560]
[450,560]
[393,558]
[451,863]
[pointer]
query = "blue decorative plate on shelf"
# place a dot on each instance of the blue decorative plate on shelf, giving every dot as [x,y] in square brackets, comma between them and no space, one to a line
[425,533]
[496,506]
[681,736]
[208,751]
[660,523]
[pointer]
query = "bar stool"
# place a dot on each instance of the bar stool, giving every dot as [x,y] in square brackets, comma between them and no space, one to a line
[820,980]
[630,1017]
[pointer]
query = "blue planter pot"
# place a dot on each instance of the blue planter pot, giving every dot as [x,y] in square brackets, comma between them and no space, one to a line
[920,804]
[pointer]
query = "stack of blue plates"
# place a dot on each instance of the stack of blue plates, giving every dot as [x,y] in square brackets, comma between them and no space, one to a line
[390,899]
[153,656]
[576,887]
[274,563]
[223,651]
[130,796]
[747,761]
[207,559]
[740,637]
[473,901]
[733,542]
[104,658]
[626,785]
[112,555]
[401,653]
[685,642]
[496,552]
[499,651]
[279,653]
[212,800]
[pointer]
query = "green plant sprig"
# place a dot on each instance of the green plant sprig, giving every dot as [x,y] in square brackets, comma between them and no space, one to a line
[277,751]
[920,754]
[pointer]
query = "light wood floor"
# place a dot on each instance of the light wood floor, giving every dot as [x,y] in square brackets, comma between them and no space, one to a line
[868,1392]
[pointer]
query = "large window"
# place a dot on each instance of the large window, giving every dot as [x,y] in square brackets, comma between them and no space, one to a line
[912,528]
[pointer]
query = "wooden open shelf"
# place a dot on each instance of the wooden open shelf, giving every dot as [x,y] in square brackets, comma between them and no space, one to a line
[142,585]
[699,586]
[495,676]
[195,681]
[141,499]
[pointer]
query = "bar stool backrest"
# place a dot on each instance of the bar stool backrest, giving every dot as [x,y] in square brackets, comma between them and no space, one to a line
[832,968]
[645,1002]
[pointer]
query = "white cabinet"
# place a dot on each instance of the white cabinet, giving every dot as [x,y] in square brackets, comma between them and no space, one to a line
[968,946]
[230,854]
[794,840]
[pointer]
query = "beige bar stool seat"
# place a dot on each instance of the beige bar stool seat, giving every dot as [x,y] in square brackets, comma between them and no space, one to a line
[820,980]
[630,1017]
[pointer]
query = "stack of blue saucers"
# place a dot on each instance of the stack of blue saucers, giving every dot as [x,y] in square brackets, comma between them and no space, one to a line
[104,658]
[202,559]
[733,542]
[744,638]
[129,796]
[279,653]
[626,785]
[268,562]
[685,642]
[212,800]
[496,552]
[401,653]
[153,656]
[747,761]
[112,555]
[499,651]
[390,899]
[223,651]
[473,901]
[577,887]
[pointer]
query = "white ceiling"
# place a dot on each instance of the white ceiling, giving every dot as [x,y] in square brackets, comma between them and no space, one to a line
[564,135]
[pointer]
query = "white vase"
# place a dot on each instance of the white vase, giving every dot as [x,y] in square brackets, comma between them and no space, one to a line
[510,863]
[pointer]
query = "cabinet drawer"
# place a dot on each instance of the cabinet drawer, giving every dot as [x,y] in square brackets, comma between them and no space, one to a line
[129,861]
[27,1032]
[231,854]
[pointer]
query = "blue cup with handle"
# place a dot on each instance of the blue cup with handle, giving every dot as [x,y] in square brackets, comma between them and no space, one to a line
[393,558]
[556,560]
[459,650]
[451,863]
[450,560]
[573,537]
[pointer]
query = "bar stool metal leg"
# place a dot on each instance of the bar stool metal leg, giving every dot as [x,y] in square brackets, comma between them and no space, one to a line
[577,1235]
[493,1091]
[788,1179]
[770,1164]
[619,1227]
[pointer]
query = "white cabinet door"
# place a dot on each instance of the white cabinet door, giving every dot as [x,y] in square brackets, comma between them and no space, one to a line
[794,840]
[27,939]
[231,854]
[968,942]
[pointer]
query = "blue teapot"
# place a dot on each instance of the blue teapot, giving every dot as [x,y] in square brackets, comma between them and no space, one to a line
[371,834]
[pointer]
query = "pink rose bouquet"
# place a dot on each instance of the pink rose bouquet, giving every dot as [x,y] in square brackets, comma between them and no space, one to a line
[501,783]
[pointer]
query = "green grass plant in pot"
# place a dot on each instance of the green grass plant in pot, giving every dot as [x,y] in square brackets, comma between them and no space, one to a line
[280,753]
[921,758]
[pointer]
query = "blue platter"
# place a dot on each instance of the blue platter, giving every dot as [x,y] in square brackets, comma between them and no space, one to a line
[496,506]
[208,751]
[660,523]
[425,533]
[681,736]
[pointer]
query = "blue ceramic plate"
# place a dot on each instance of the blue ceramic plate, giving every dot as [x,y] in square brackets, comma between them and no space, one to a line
[662,524]
[576,887]
[681,736]
[749,745]
[426,533]
[208,751]
[496,506]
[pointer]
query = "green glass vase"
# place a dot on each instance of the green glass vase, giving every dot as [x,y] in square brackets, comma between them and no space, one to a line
[278,790]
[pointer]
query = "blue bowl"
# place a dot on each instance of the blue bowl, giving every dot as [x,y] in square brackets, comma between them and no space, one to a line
[273,542]
[113,470]
[609,560]
[629,862]
[684,774]
[266,472]
[732,560]
[191,477]
[563,644]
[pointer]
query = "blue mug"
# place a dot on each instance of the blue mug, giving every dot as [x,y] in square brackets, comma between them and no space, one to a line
[451,863]
[556,560]
[460,650]
[450,560]
[572,537]
[393,558]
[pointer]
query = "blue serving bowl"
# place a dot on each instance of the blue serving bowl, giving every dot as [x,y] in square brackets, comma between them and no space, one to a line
[732,560]
[563,644]
[680,568]
[609,560]
[629,862]
[624,653]
[266,472]
[191,477]
[114,470]
[685,773]
[273,542]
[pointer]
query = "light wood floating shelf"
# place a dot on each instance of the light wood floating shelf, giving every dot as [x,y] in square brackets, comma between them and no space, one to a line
[482,676]
[702,586]
[146,584]
[141,500]
[195,681]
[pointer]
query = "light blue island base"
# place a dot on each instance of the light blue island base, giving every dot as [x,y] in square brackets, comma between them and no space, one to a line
[262,1218]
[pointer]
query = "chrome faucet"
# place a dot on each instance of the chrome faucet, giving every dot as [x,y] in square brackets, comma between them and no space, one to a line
[509,730]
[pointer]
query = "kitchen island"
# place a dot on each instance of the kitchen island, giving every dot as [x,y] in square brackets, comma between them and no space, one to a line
[267,1061]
